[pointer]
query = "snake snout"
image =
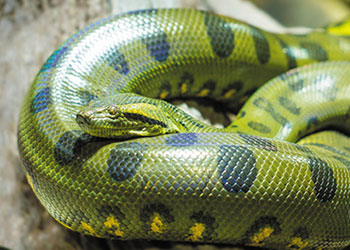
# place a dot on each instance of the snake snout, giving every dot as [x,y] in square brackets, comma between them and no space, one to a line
[82,119]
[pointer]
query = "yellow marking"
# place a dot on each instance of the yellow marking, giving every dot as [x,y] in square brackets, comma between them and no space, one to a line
[148,184]
[63,224]
[243,99]
[112,222]
[342,30]
[297,241]
[157,224]
[164,94]
[196,232]
[30,181]
[229,93]
[183,88]
[259,237]
[204,92]
[88,228]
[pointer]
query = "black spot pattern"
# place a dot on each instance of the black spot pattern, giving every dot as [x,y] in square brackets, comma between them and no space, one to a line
[289,105]
[220,34]
[295,83]
[258,142]
[261,223]
[145,11]
[303,148]
[207,220]
[236,85]
[188,79]
[258,126]
[315,51]
[165,87]
[346,162]
[264,104]
[118,62]
[261,44]
[325,184]
[288,51]
[347,149]
[158,46]
[329,148]
[124,160]
[182,140]
[69,146]
[208,85]
[236,165]
[41,100]
[149,210]
[311,124]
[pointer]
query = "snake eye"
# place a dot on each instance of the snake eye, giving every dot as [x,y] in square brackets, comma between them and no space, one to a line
[112,110]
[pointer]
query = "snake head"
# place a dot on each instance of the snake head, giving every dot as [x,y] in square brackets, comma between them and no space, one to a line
[125,120]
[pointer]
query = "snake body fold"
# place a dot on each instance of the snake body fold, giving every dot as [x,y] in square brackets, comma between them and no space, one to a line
[250,183]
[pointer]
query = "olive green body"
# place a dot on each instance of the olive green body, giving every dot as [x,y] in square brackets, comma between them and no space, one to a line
[207,184]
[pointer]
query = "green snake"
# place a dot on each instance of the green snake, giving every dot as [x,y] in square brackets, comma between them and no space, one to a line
[107,156]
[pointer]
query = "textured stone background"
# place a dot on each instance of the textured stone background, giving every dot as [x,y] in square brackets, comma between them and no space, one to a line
[30,30]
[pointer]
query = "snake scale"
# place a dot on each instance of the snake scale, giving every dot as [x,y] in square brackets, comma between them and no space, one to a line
[108,157]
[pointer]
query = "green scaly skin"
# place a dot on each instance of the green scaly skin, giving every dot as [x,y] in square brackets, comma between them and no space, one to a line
[195,182]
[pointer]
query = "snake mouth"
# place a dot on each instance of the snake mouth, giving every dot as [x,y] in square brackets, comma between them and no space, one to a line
[82,120]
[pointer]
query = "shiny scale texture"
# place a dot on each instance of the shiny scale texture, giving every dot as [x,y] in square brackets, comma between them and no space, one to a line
[259,182]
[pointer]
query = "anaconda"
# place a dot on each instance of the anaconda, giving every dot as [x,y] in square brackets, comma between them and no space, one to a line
[108,158]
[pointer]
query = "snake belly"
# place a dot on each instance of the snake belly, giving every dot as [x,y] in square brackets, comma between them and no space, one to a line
[249,184]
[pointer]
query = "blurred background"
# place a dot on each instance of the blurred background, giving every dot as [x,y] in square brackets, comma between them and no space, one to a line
[30,30]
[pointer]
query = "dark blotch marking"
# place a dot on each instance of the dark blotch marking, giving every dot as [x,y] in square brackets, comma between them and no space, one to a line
[325,184]
[257,126]
[145,11]
[289,105]
[158,46]
[302,148]
[149,210]
[346,162]
[144,119]
[209,85]
[165,87]
[258,142]
[124,160]
[108,210]
[236,85]
[260,224]
[288,51]
[53,59]
[295,83]
[301,232]
[329,148]
[87,97]
[41,100]
[236,165]
[264,104]
[69,146]
[241,115]
[183,125]
[220,34]
[261,44]
[118,62]
[312,122]
[188,79]
[207,220]
[315,51]
[182,140]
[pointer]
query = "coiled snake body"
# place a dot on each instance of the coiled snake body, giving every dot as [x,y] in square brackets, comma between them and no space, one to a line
[164,175]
